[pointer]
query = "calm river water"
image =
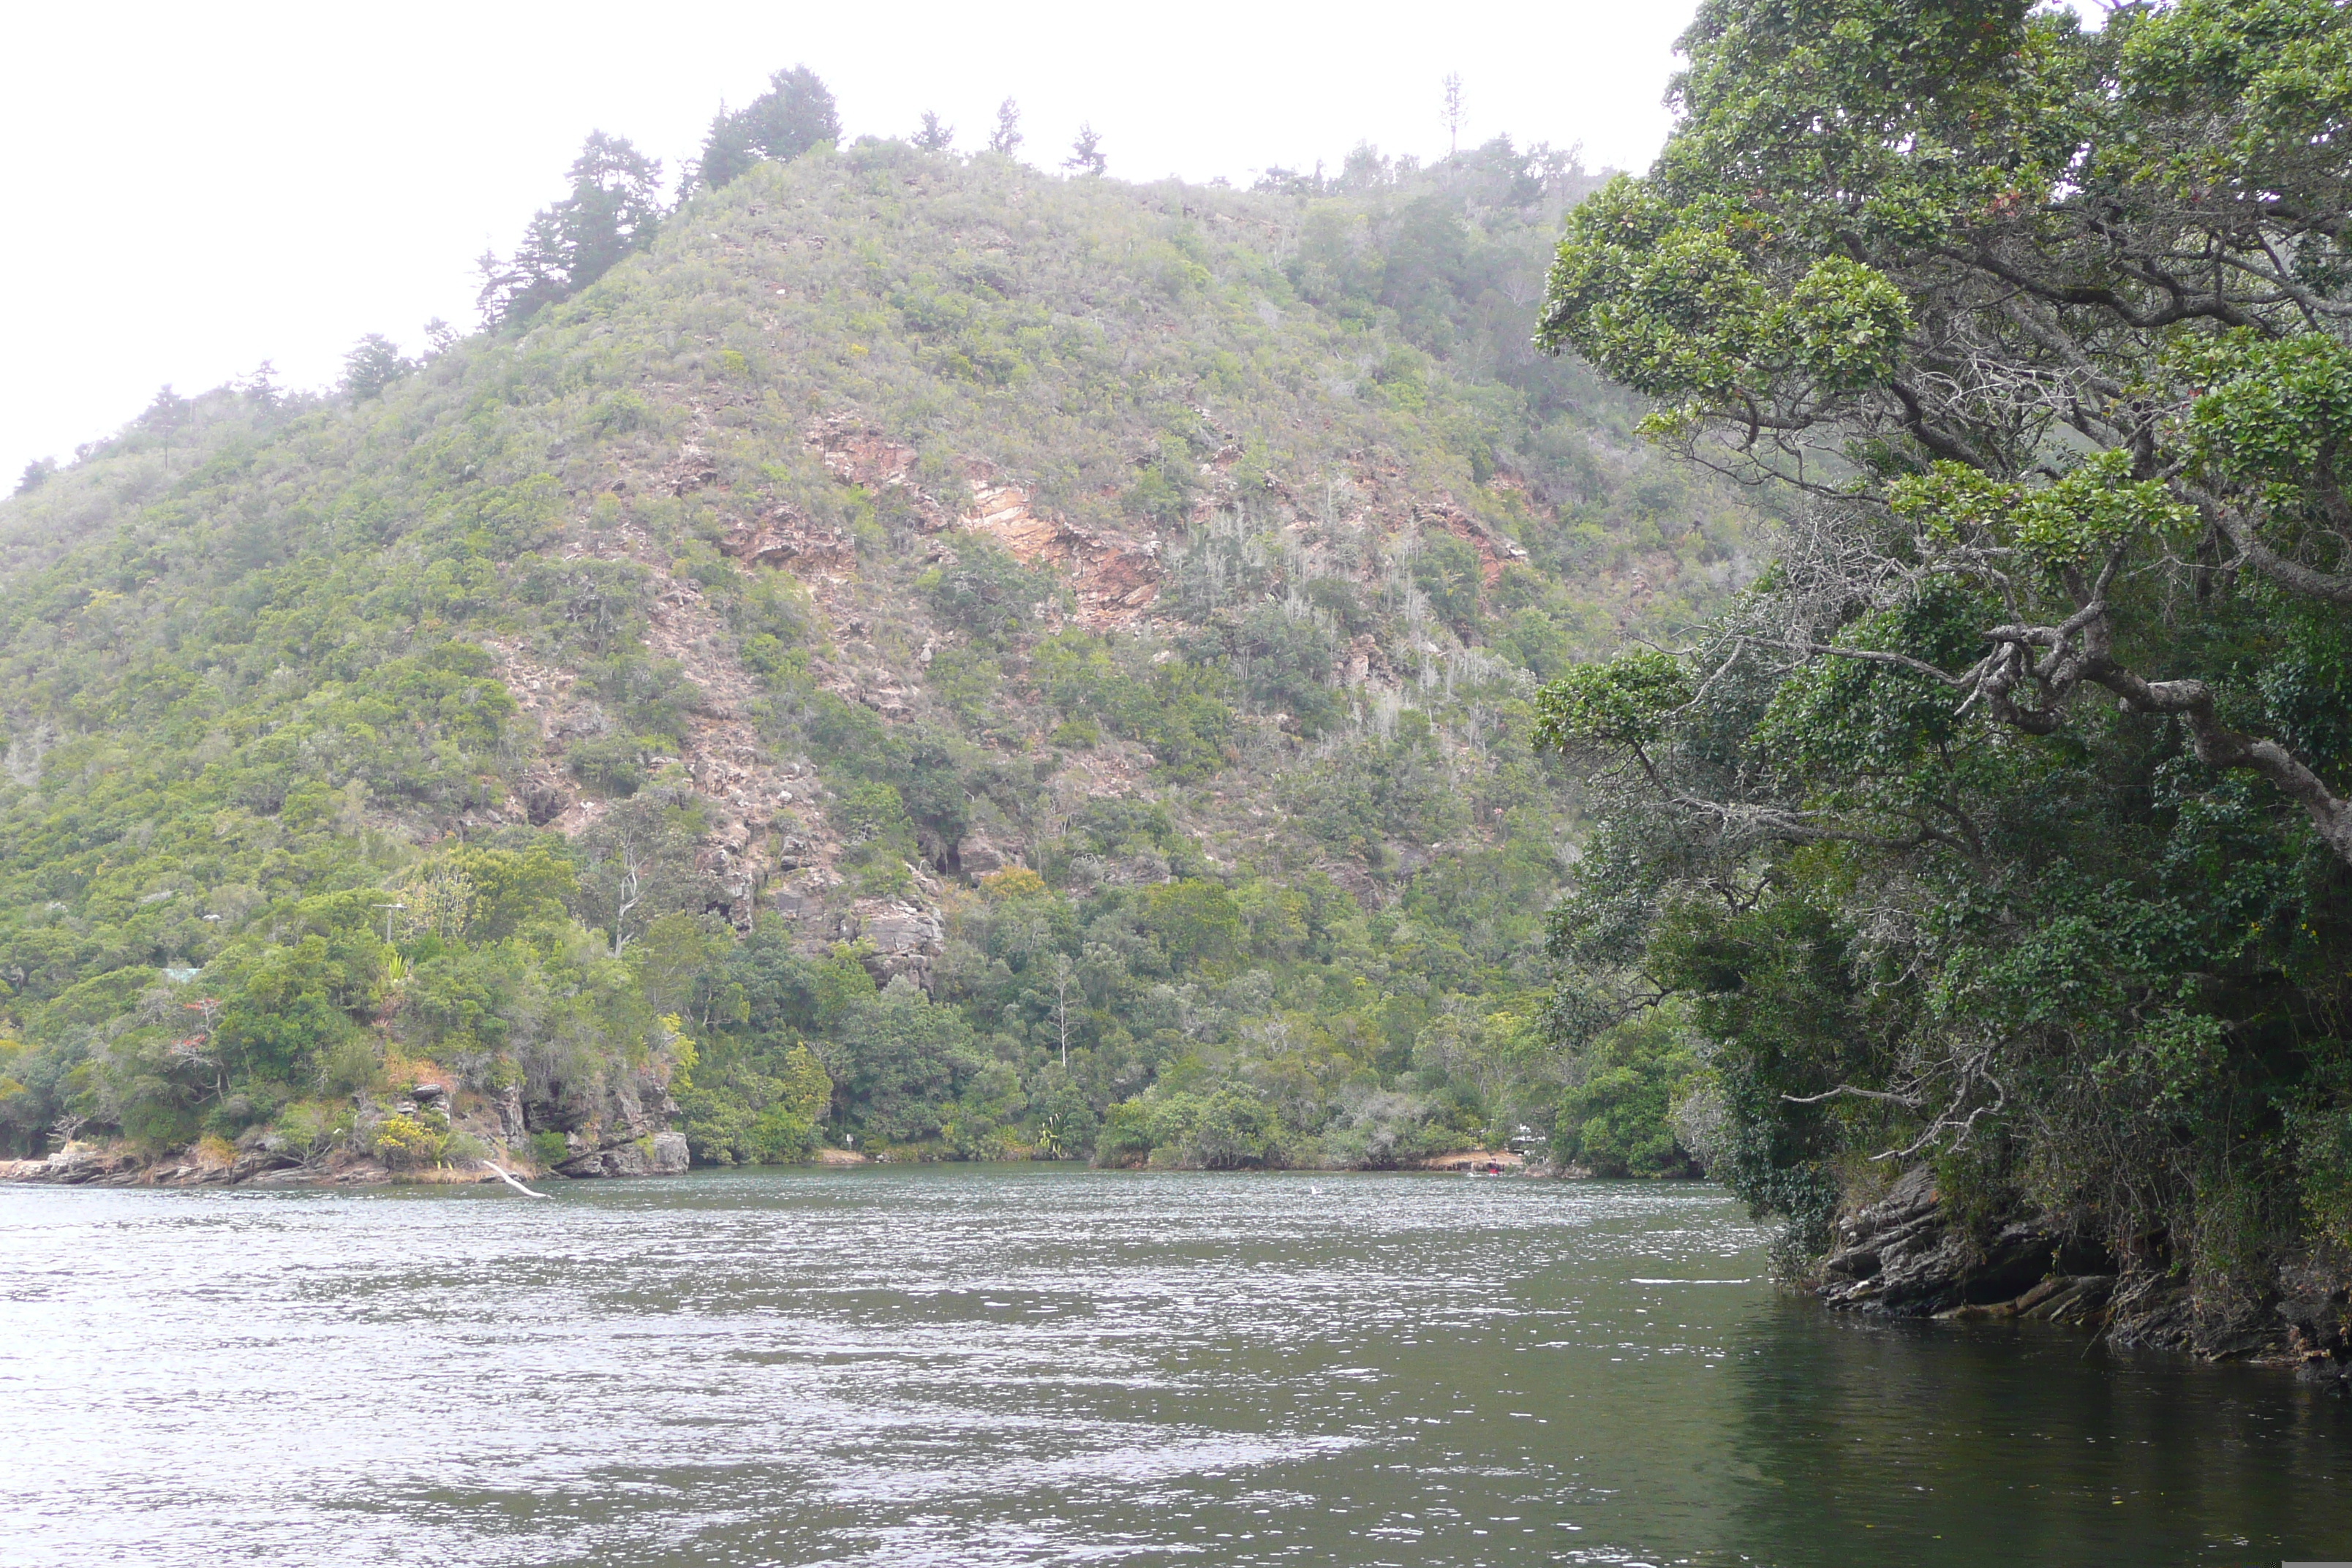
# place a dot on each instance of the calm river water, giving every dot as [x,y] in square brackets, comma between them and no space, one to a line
[1000,1365]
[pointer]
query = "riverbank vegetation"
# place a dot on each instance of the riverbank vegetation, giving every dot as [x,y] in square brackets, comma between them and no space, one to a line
[2003,825]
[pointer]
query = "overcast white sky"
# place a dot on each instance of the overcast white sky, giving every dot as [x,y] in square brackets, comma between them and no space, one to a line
[193,189]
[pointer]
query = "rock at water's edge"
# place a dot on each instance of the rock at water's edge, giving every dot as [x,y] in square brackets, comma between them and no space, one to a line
[661,1155]
[1903,1256]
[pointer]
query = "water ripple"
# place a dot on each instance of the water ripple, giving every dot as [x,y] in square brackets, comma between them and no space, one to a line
[1050,1367]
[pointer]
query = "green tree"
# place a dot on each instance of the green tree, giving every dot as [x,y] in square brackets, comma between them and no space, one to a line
[985,591]
[1007,138]
[2043,334]
[1195,920]
[677,960]
[636,867]
[1085,154]
[796,115]
[1948,248]
[1447,570]
[901,1059]
[936,135]
[1616,1117]
[372,365]
[727,152]
[164,417]
[261,388]
[514,889]
[615,210]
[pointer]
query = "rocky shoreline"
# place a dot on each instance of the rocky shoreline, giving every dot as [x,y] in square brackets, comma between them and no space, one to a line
[1905,1256]
[661,1153]
[420,1132]
[87,1165]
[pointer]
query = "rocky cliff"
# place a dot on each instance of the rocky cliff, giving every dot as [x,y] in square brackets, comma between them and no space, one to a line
[1905,1255]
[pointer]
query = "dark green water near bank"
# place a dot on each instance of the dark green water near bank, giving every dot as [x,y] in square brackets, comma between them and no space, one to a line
[1001,1365]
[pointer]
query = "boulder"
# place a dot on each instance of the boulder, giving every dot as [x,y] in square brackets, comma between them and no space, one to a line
[661,1155]
[1901,1257]
[980,856]
[77,1163]
[2316,1304]
[901,930]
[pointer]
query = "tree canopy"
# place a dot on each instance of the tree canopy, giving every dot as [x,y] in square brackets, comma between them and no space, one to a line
[2006,822]
[615,209]
[796,115]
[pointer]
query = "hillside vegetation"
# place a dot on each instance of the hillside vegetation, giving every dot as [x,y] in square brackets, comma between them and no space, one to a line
[920,653]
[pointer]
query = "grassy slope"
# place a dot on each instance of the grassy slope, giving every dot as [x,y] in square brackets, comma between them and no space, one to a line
[1273,521]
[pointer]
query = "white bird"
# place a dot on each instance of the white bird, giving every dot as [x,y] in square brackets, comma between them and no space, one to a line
[514,1183]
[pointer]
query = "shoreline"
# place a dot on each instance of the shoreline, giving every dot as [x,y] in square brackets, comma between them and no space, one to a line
[80,1165]
[102,1169]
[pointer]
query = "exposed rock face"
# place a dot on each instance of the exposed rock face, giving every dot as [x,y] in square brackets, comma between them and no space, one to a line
[899,930]
[512,1129]
[980,855]
[1902,1257]
[785,538]
[2315,1301]
[72,1165]
[1495,552]
[1113,576]
[623,1129]
[661,1155]
[858,454]
[620,1127]
[906,938]
[768,843]
[78,1165]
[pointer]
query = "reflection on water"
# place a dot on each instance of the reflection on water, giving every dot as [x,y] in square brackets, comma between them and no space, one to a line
[984,1365]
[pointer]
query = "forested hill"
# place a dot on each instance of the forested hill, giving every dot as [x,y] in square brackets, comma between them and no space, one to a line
[923,654]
